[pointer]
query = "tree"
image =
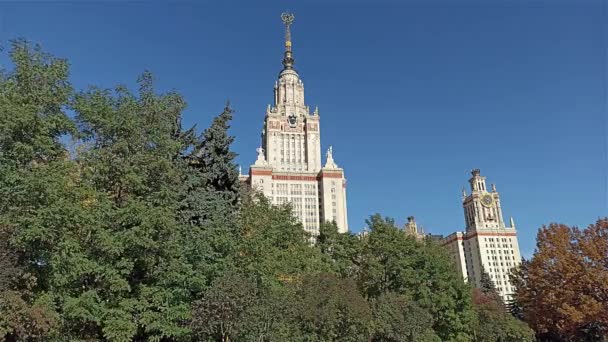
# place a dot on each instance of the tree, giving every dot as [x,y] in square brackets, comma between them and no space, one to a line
[274,247]
[342,249]
[494,324]
[32,122]
[9,267]
[488,288]
[331,309]
[214,160]
[563,290]
[392,261]
[32,101]
[397,319]
[218,316]
[272,317]
[97,231]
[209,197]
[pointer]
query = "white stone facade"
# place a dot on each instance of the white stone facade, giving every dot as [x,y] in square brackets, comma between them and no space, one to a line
[487,243]
[288,167]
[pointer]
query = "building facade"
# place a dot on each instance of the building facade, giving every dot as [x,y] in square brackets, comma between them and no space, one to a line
[487,244]
[289,168]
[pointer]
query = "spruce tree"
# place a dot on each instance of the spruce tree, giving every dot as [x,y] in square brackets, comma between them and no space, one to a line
[487,284]
[214,159]
[488,287]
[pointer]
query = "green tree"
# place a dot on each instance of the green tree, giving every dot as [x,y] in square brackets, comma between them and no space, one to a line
[488,287]
[342,249]
[33,97]
[331,309]
[272,317]
[493,324]
[98,231]
[32,121]
[397,319]
[392,261]
[219,315]
[209,198]
[274,246]
[214,160]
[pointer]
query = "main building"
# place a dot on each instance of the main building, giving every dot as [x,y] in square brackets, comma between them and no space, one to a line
[289,166]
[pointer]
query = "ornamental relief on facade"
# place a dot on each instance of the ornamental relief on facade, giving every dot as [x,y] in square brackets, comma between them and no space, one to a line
[274,125]
[313,127]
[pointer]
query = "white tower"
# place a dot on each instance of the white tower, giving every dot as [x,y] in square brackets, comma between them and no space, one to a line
[486,244]
[291,152]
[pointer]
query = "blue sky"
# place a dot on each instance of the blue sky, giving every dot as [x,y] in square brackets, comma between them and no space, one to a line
[412,94]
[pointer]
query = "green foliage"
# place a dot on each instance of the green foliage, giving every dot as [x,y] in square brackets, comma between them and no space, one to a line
[32,101]
[218,316]
[32,121]
[141,231]
[9,268]
[392,261]
[343,250]
[331,309]
[214,160]
[488,287]
[494,323]
[397,319]
[274,246]
[272,317]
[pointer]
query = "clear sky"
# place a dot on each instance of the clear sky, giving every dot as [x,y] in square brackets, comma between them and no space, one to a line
[412,94]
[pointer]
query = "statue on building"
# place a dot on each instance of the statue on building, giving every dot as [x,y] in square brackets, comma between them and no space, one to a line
[261,161]
[330,164]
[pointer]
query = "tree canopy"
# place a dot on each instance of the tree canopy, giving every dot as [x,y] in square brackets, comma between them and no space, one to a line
[119,224]
[563,289]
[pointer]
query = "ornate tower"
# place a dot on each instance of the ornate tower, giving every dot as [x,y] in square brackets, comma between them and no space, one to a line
[288,167]
[486,245]
[482,208]
[290,136]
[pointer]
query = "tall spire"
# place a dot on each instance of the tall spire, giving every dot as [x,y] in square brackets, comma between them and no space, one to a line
[288,60]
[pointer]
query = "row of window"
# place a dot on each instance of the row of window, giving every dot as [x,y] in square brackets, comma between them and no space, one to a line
[497,239]
[507,251]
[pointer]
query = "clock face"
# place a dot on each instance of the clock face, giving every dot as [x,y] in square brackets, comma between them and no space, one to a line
[487,200]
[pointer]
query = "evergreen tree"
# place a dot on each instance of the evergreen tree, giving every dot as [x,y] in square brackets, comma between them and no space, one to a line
[209,198]
[487,284]
[489,288]
[213,158]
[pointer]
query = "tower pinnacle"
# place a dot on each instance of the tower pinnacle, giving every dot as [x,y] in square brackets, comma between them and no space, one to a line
[288,60]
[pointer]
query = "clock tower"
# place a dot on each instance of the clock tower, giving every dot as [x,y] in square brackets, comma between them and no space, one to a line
[289,168]
[487,244]
[482,207]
